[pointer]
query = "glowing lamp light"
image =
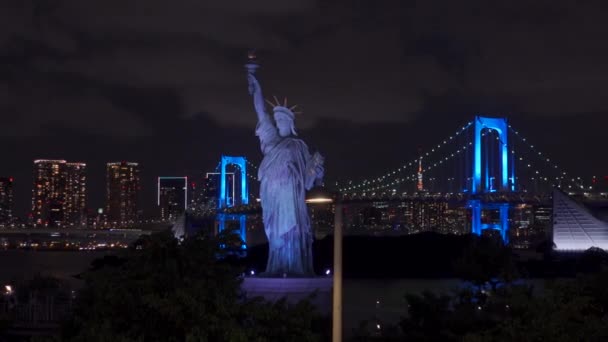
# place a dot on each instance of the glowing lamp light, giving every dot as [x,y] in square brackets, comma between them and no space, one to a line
[327,271]
[8,289]
[252,272]
[319,194]
[319,200]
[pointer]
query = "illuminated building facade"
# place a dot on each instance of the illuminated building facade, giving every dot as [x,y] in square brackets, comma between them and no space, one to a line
[59,193]
[75,194]
[122,191]
[195,193]
[6,201]
[48,195]
[172,197]
[212,189]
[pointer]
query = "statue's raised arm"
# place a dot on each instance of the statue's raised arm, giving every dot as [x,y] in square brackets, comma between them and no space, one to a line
[265,130]
[258,99]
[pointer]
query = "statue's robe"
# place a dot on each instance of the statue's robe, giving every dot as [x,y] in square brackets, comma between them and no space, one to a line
[285,173]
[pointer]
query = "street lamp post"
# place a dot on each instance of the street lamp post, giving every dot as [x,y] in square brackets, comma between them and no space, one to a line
[337,293]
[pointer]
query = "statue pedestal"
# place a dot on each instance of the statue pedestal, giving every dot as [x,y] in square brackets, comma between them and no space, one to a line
[293,289]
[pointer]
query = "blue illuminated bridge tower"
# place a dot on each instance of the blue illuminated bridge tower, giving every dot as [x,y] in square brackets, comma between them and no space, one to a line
[226,200]
[491,174]
[241,164]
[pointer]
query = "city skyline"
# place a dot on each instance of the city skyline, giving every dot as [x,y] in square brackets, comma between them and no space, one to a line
[197,187]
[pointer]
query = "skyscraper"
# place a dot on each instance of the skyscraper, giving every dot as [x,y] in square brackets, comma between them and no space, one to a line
[172,197]
[195,192]
[59,193]
[75,194]
[122,184]
[6,201]
[48,195]
[212,189]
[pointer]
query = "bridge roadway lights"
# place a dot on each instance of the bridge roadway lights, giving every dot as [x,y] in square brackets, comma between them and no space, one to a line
[503,223]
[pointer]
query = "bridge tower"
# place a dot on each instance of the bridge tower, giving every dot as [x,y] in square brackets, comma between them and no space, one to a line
[481,186]
[506,183]
[241,162]
[224,219]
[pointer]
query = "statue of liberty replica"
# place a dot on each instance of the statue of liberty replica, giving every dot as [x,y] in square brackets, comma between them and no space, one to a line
[287,170]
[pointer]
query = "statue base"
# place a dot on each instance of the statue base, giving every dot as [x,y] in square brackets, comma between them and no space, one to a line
[293,289]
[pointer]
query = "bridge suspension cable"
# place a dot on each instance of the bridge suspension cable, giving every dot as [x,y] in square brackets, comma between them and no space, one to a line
[539,154]
[393,179]
[443,160]
[375,182]
[251,164]
[552,165]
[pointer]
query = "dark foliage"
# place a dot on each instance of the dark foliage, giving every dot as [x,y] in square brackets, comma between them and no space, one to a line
[498,308]
[161,290]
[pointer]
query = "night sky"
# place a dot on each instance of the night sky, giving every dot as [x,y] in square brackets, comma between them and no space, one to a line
[163,83]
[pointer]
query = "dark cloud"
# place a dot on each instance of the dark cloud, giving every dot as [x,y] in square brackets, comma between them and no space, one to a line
[149,75]
[394,58]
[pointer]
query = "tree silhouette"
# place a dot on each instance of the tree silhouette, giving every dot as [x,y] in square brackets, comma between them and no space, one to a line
[162,290]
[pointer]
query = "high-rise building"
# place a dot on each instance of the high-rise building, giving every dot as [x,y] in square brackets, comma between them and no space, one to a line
[195,193]
[122,185]
[172,197]
[6,201]
[59,193]
[212,189]
[75,194]
[48,195]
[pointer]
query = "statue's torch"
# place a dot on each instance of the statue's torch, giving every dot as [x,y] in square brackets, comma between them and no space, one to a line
[251,66]
[252,62]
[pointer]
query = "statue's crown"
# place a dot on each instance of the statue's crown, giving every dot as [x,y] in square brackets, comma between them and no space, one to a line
[282,108]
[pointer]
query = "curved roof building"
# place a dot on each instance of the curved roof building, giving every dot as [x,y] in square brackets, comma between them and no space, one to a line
[574,227]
